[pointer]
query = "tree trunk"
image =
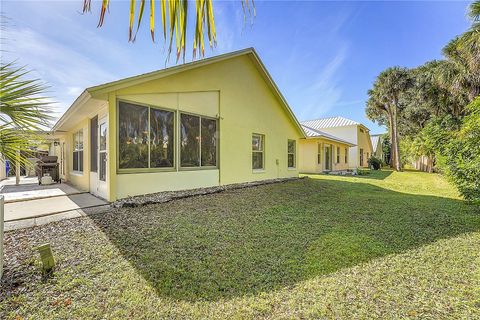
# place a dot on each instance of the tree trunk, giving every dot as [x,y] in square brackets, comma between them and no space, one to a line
[390,132]
[395,142]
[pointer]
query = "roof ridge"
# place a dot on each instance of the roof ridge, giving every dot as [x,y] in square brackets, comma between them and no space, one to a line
[326,118]
[174,67]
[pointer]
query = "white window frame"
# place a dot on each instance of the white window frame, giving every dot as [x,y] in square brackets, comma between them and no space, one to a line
[346,155]
[294,153]
[262,139]
[77,152]
[338,155]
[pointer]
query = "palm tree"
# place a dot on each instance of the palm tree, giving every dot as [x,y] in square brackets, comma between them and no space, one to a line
[23,112]
[385,100]
[463,53]
[474,14]
[174,16]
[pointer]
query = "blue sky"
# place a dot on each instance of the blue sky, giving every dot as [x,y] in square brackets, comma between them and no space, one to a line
[324,56]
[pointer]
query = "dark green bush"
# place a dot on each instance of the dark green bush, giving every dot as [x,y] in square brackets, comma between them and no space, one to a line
[374,163]
[463,155]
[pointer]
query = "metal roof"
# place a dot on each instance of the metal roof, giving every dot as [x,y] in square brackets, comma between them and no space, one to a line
[375,140]
[330,123]
[314,133]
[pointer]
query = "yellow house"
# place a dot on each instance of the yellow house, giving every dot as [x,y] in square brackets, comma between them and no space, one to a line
[320,152]
[350,131]
[212,122]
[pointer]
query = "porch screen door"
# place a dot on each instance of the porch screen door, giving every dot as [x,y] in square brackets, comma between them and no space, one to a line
[102,158]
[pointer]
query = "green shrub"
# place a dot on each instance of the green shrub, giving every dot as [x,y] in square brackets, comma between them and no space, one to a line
[374,163]
[463,155]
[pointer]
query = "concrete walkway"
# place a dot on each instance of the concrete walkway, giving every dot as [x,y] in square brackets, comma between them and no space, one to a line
[30,204]
[29,189]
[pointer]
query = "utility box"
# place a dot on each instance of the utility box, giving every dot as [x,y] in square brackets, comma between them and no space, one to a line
[46,255]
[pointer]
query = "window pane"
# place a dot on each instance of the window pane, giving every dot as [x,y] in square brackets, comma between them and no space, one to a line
[291,146]
[80,140]
[103,136]
[132,136]
[80,161]
[257,142]
[189,143]
[257,160]
[161,138]
[75,161]
[209,142]
[102,172]
[291,160]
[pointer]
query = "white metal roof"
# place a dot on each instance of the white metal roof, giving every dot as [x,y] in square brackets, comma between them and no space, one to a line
[329,123]
[314,133]
[375,140]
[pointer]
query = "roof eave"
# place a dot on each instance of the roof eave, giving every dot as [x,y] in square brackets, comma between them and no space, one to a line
[81,99]
[333,140]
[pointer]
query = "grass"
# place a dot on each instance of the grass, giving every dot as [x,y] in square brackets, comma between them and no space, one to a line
[383,245]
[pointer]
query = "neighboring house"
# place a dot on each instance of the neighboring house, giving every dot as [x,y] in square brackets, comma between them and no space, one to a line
[377,146]
[212,122]
[321,152]
[351,131]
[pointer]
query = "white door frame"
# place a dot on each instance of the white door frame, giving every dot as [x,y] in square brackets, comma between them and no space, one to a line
[102,156]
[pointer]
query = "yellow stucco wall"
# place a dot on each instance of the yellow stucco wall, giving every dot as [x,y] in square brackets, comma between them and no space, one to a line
[364,142]
[360,139]
[234,92]
[309,155]
[78,179]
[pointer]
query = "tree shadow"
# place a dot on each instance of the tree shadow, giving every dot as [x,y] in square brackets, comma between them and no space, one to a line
[366,174]
[259,239]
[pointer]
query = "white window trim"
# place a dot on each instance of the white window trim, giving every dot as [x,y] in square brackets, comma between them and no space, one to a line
[294,154]
[75,134]
[262,169]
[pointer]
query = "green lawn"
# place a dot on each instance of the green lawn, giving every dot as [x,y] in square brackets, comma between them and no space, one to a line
[383,245]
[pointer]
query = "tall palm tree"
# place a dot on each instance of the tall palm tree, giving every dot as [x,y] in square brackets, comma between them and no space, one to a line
[174,16]
[386,99]
[23,112]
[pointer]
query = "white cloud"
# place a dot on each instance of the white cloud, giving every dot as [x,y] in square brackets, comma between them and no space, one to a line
[325,91]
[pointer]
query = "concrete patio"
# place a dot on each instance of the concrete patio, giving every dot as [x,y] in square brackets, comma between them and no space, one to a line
[29,204]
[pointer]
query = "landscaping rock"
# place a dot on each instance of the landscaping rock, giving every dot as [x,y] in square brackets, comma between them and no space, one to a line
[162,197]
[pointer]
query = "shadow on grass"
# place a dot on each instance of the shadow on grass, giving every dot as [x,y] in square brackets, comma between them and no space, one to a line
[265,238]
[367,174]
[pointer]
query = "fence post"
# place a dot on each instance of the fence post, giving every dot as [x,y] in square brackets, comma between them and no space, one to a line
[1,234]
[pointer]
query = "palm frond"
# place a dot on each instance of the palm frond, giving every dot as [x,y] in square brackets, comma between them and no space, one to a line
[22,104]
[174,14]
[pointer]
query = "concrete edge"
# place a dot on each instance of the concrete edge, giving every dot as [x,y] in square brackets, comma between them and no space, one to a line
[45,197]
[49,218]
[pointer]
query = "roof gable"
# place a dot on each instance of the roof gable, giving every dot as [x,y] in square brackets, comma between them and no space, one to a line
[314,133]
[101,91]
